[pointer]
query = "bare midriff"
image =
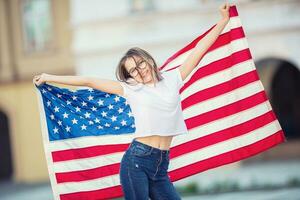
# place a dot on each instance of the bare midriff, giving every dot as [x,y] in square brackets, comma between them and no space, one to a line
[157,141]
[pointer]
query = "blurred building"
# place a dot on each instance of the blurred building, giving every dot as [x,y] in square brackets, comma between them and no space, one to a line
[49,36]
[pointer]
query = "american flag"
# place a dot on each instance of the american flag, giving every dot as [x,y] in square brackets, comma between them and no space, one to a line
[226,110]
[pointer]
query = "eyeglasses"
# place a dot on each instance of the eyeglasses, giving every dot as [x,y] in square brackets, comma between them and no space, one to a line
[141,66]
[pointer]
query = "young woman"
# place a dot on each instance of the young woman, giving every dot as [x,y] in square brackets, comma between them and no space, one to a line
[155,102]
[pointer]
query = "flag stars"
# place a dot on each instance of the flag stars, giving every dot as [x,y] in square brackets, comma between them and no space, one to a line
[55,130]
[110,107]
[123,122]
[77,109]
[56,109]
[117,98]
[52,116]
[90,97]
[100,102]
[48,103]
[99,127]
[90,90]
[59,122]
[83,127]
[68,128]
[120,110]
[107,124]
[74,121]
[117,127]
[68,102]
[74,97]
[58,95]
[87,115]
[91,122]
[83,103]
[49,89]
[66,115]
[94,109]
[130,114]
[107,95]
[104,114]
[44,91]
[113,118]
[97,120]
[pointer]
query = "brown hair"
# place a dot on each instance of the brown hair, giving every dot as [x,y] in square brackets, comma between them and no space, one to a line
[121,72]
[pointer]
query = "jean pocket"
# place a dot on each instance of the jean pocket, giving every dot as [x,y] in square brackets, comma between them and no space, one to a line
[141,151]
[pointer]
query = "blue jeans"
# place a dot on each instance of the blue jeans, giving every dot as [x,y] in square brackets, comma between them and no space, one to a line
[143,173]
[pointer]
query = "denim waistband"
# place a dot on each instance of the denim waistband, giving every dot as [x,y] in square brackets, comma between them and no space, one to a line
[154,149]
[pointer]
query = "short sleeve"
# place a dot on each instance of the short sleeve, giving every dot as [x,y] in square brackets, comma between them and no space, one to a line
[129,89]
[179,78]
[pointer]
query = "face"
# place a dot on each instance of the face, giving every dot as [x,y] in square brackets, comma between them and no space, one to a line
[143,67]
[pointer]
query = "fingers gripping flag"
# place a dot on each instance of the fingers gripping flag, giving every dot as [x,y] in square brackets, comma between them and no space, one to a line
[226,110]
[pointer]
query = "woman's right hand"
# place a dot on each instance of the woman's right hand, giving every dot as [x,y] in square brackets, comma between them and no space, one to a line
[40,79]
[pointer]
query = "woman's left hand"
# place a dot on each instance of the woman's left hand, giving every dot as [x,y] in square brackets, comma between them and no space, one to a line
[224,10]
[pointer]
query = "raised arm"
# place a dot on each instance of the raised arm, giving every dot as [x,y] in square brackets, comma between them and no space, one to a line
[196,55]
[104,85]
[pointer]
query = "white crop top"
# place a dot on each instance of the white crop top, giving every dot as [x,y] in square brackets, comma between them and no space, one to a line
[157,109]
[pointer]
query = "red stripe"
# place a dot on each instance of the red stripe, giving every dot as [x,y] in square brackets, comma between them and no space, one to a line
[107,193]
[87,152]
[228,157]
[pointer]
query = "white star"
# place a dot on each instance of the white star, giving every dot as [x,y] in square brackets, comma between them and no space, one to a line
[130,114]
[59,122]
[74,97]
[90,97]
[123,122]
[99,127]
[133,125]
[120,110]
[107,124]
[74,121]
[58,95]
[56,109]
[126,102]
[48,103]
[117,98]
[114,118]
[83,127]
[107,95]
[68,102]
[87,115]
[84,103]
[49,88]
[52,116]
[68,128]
[43,91]
[100,102]
[91,122]
[55,130]
[104,114]
[97,120]
[94,109]
[65,115]
[117,127]
[90,89]
[77,109]
[110,106]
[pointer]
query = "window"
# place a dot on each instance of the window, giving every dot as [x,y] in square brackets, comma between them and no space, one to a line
[37,25]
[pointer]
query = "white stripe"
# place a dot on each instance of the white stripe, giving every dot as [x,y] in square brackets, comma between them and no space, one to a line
[222,100]
[87,163]
[88,141]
